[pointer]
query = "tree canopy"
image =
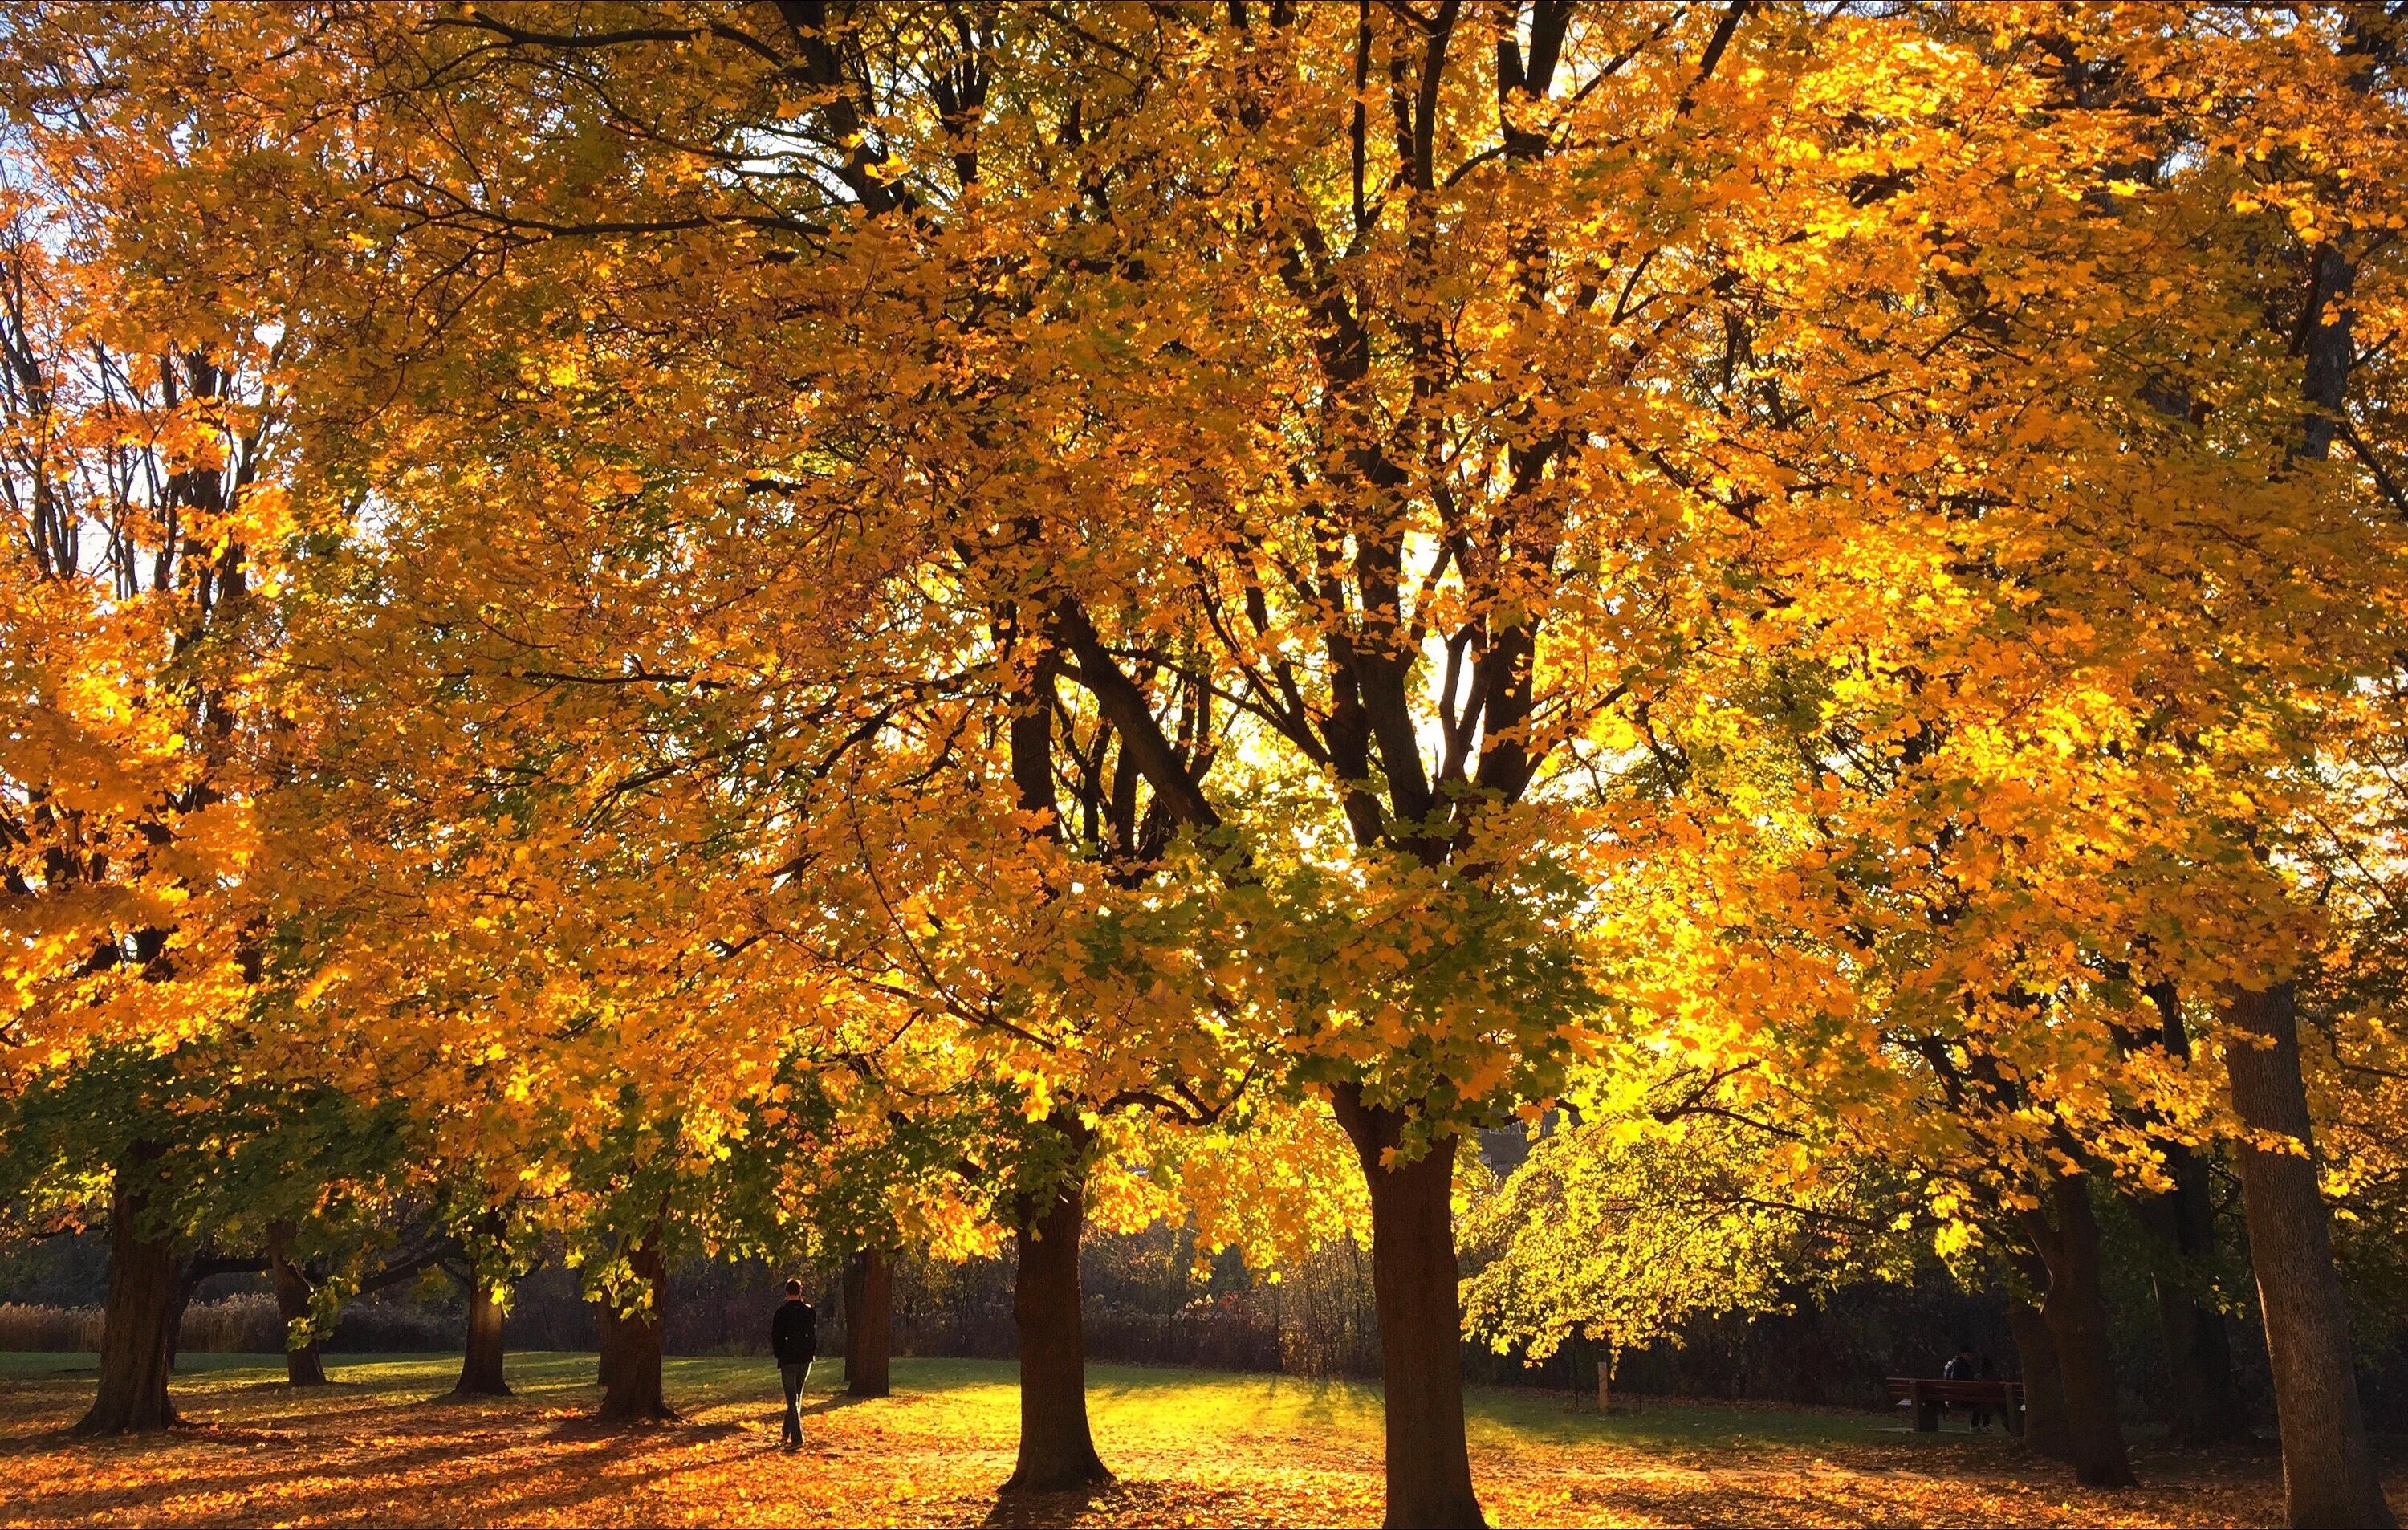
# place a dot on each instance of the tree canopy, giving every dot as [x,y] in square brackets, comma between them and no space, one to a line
[806,626]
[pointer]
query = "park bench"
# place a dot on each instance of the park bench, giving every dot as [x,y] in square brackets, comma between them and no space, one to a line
[1926,1395]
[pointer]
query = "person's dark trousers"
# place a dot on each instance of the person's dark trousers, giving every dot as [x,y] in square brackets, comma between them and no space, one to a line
[793,1376]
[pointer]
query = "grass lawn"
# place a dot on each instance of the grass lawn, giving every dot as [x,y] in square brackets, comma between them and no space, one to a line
[1191,1448]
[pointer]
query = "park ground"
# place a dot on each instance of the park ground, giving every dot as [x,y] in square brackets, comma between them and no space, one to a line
[1191,1448]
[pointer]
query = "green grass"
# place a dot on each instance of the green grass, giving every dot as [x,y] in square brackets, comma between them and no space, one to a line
[1153,1400]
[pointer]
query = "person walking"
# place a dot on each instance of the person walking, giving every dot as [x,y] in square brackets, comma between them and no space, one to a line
[793,1336]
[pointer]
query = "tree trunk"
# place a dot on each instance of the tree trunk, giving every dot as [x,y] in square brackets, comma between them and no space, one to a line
[631,1344]
[1057,1452]
[2045,1430]
[2329,1476]
[481,1371]
[303,1367]
[1414,1287]
[146,1302]
[2202,1407]
[2076,1310]
[602,1354]
[869,1322]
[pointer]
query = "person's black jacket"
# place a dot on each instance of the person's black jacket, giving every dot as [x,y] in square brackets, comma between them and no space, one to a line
[792,1334]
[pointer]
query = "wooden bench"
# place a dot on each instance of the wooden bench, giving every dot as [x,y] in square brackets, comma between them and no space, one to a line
[1927,1396]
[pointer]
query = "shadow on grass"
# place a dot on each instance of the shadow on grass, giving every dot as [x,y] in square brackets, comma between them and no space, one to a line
[1018,1509]
[455,1398]
[313,1389]
[587,1428]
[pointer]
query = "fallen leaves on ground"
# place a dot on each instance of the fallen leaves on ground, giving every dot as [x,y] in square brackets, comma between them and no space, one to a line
[1189,1450]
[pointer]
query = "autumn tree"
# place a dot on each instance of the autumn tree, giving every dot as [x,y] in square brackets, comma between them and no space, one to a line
[2319,159]
[1349,554]
[676,721]
[1523,424]
[2156,747]
[137,453]
[1623,1226]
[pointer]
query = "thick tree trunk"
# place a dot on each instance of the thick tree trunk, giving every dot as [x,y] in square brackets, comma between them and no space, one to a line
[2076,1310]
[1057,1452]
[303,1367]
[1413,1286]
[631,1345]
[146,1302]
[480,1371]
[2329,1476]
[2045,1428]
[869,1322]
